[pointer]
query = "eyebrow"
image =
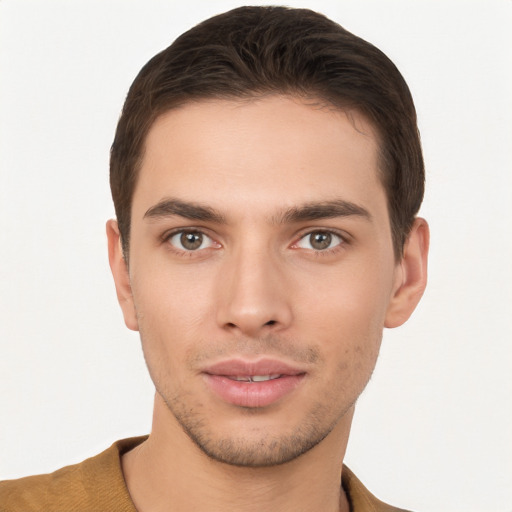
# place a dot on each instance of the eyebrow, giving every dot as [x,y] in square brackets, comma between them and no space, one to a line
[321,210]
[314,210]
[169,207]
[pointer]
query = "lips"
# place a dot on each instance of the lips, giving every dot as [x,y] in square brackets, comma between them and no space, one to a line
[252,384]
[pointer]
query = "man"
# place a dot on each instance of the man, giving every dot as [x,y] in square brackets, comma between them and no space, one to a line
[266,174]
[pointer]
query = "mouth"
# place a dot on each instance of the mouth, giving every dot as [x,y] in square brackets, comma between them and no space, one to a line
[253,384]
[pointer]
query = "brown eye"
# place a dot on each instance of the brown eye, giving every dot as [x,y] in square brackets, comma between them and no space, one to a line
[319,241]
[190,240]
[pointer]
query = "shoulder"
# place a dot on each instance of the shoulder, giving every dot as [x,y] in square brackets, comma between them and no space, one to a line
[94,484]
[360,498]
[41,492]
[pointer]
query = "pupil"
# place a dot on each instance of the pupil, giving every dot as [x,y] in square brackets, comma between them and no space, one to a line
[191,241]
[320,241]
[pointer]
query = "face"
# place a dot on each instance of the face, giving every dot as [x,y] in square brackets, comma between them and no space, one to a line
[261,272]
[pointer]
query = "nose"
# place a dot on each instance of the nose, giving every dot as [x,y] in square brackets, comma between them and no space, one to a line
[254,298]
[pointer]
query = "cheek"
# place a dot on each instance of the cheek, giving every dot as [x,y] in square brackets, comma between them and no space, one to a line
[350,341]
[346,316]
[351,300]
[171,298]
[350,337]
[171,310]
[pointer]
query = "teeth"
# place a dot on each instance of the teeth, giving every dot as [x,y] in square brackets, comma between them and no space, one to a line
[256,378]
[262,378]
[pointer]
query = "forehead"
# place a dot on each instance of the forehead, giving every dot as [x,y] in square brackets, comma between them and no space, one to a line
[269,151]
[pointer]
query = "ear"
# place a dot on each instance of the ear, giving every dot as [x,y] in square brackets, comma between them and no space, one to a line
[121,276]
[411,275]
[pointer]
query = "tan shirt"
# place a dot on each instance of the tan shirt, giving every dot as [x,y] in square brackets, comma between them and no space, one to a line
[97,485]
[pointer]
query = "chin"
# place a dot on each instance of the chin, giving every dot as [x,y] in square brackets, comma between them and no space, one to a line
[265,445]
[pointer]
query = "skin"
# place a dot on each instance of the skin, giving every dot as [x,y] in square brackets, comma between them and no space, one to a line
[259,285]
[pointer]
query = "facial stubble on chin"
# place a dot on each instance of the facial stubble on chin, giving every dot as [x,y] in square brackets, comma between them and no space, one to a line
[268,448]
[267,451]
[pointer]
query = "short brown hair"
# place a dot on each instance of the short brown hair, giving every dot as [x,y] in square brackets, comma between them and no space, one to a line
[253,51]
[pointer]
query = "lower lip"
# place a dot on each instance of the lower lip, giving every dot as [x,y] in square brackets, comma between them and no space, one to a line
[252,394]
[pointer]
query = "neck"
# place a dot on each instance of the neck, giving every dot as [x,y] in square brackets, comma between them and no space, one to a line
[169,472]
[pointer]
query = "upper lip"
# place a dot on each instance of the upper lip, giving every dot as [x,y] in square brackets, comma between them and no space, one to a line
[237,367]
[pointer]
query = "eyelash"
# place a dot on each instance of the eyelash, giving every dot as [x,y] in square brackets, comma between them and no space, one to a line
[344,241]
[166,237]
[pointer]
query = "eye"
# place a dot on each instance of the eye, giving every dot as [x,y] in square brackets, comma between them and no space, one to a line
[319,241]
[190,240]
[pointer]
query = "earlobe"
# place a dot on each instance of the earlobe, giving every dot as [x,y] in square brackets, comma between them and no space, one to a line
[412,275]
[121,276]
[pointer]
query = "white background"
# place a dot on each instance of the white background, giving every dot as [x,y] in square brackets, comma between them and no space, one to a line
[433,430]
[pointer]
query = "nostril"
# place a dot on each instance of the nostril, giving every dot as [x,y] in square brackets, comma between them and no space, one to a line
[250,325]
